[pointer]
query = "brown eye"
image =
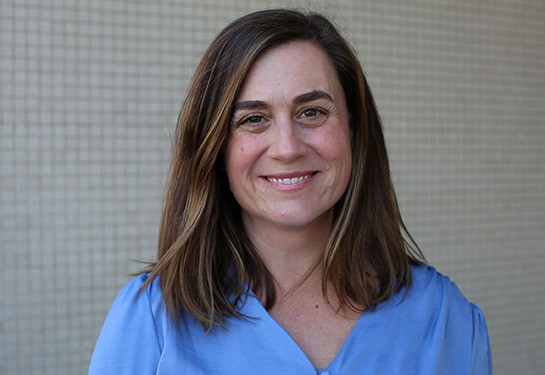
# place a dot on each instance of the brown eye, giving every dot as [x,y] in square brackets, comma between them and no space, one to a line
[253,123]
[311,112]
[312,116]
[254,119]
[251,120]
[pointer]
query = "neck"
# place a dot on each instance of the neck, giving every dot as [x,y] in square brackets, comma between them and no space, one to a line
[289,253]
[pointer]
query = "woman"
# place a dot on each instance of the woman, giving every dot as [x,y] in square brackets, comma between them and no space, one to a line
[281,247]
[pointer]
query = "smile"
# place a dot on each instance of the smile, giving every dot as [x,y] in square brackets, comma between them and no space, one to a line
[289,181]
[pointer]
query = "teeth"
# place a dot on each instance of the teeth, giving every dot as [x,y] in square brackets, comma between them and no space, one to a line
[288,181]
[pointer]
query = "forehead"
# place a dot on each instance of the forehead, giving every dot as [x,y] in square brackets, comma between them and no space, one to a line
[290,69]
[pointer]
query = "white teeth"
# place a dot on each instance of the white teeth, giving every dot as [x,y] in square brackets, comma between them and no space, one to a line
[288,181]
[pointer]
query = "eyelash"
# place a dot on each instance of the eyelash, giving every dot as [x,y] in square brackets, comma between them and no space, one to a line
[248,118]
[319,111]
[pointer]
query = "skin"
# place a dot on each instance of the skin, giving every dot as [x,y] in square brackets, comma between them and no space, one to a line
[288,161]
[290,121]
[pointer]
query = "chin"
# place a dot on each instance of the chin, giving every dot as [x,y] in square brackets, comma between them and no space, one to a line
[294,220]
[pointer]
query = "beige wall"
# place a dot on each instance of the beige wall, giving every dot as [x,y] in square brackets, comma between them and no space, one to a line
[89,95]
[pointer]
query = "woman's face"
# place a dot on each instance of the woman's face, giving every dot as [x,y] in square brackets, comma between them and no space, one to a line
[288,157]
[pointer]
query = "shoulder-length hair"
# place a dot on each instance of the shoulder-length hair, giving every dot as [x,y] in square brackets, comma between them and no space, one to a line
[205,258]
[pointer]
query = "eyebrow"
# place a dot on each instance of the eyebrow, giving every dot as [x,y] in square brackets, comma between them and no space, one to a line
[312,95]
[249,104]
[300,99]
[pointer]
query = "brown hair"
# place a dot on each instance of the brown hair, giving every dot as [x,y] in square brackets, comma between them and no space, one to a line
[205,257]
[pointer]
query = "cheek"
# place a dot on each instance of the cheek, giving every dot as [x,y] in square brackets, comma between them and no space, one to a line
[239,158]
[335,145]
[233,165]
[339,154]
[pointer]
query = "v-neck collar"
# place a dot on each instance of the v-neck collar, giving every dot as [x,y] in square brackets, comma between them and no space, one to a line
[257,310]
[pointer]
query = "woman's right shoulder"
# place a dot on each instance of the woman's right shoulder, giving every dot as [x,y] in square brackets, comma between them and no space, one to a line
[135,303]
[133,290]
[139,305]
[136,316]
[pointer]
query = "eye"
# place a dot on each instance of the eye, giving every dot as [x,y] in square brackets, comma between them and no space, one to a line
[253,119]
[311,112]
[255,122]
[313,116]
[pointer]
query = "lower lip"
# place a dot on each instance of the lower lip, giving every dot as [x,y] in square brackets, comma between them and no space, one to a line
[290,187]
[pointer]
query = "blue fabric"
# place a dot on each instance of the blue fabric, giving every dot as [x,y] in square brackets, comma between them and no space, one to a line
[434,330]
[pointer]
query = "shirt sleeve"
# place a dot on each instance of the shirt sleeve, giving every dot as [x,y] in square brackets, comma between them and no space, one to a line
[129,342]
[482,354]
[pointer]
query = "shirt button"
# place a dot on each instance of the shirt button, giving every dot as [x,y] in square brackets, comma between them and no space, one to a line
[325,373]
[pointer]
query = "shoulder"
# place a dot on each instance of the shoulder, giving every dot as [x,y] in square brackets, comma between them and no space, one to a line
[135,316]
[132,294]
[134,305]
[427,281]
[440,305]
[434,293]
[430,285]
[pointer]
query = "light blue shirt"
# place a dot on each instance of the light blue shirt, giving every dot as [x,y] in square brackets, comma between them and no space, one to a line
[433,330]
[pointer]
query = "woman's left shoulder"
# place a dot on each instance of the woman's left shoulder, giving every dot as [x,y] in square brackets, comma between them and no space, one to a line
[439,293]
[428,283]
[438,302]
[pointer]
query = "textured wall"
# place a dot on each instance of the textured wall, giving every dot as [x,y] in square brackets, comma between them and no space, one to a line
[89,96]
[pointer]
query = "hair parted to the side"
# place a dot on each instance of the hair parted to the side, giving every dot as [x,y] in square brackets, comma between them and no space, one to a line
[205,257]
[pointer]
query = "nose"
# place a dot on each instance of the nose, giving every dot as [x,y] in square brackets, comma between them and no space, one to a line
[286,143]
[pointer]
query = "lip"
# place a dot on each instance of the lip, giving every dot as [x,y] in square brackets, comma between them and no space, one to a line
[289,175]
